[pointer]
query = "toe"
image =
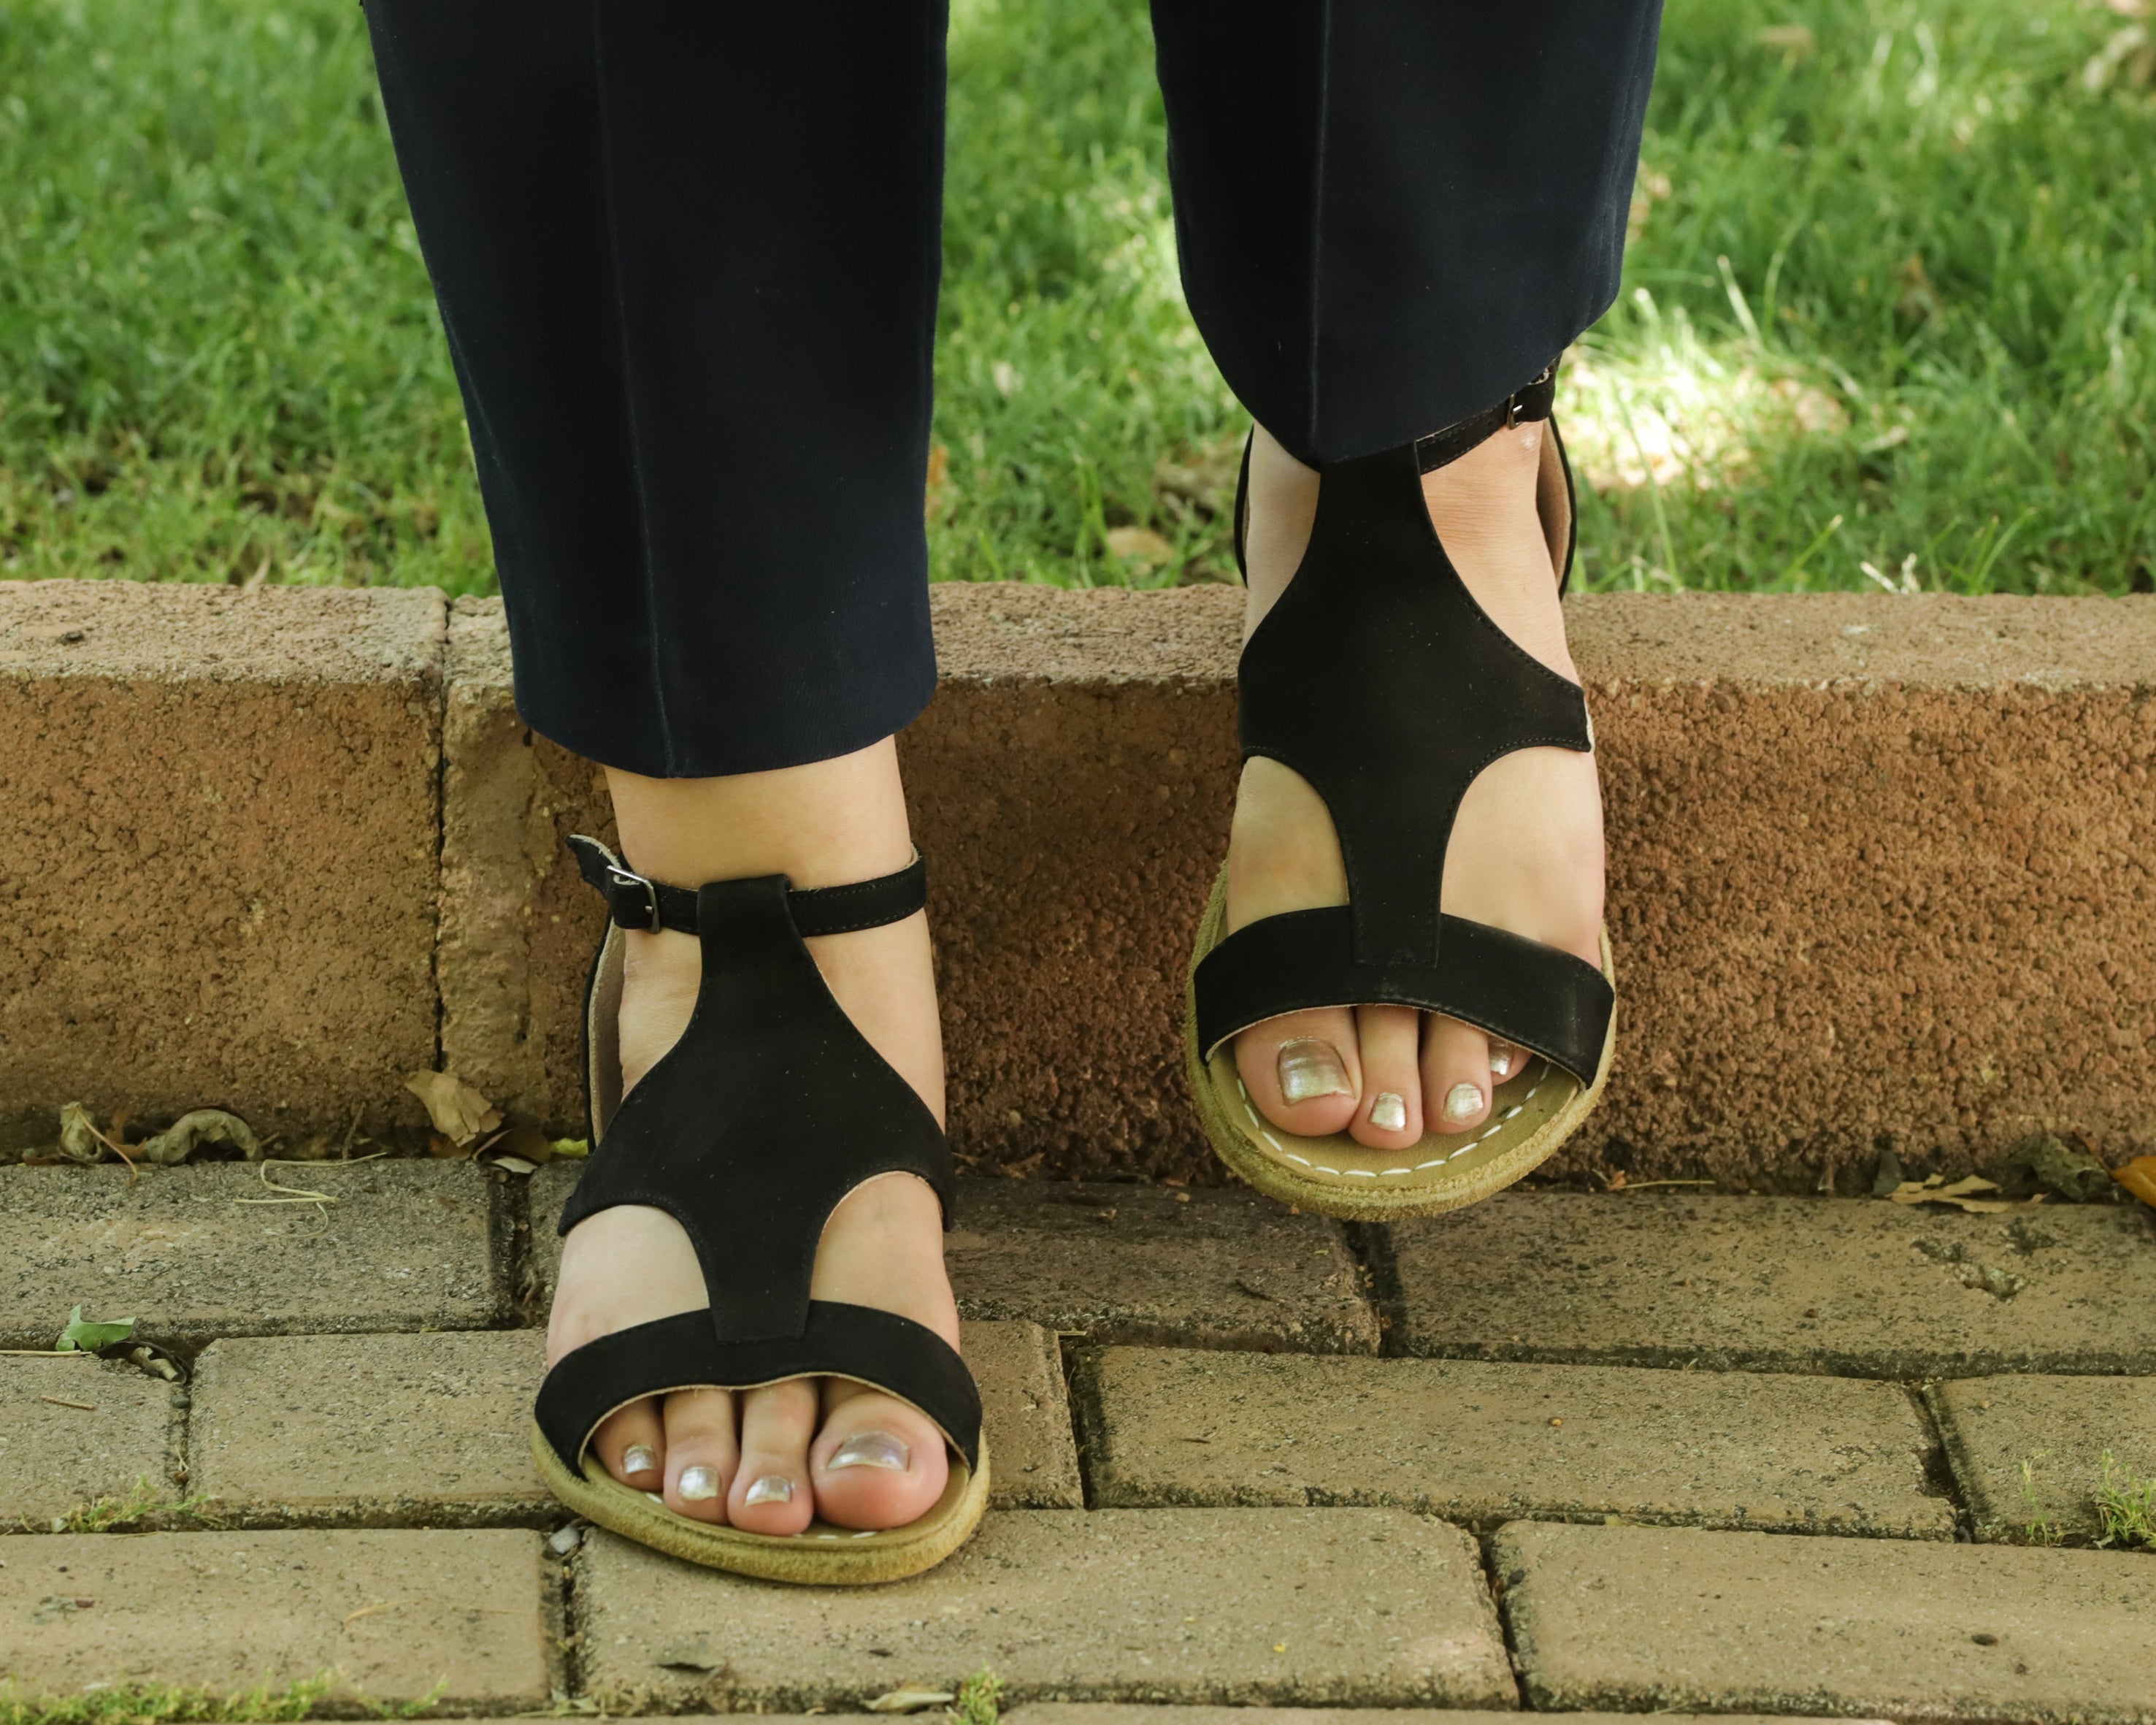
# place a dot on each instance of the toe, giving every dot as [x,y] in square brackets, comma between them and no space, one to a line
[1506,1059]
[700,1452]
[770,1490]
[877,1462]
[1390,1114]
[631,1444]
[1456,1075]
[1302,1071]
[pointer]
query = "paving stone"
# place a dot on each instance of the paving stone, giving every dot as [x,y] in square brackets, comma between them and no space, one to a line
[378,1429]
[394,1614]
[389,1430]
[1484,1444]
[1858,1287]
[1349,1607]
[56,1456]
[2062,1427]
[1210,1269]
[1110,1712]
[1207,1267]
[190,1254]
[1645,1618]
[1025,1415]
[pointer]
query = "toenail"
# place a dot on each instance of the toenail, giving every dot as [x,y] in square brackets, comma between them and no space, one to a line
[1462,1102]
[771,1488]
[1390,1112]
[1500,1061]
[873,1449]
[1310,1069]
[639,1458]
[701,1483]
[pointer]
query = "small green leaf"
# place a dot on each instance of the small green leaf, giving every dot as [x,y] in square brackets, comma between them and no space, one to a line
[82,1336]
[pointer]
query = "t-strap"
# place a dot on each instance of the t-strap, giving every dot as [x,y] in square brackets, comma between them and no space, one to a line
[635,901]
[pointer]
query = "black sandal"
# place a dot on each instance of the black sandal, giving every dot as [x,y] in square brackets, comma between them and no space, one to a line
[749,1132]
[1414,659]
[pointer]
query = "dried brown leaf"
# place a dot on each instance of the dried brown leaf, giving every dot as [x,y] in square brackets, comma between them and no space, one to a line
[460,1113]
[190,1131]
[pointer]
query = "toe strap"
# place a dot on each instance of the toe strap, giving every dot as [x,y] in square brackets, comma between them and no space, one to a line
[879,1348]
[1513,987]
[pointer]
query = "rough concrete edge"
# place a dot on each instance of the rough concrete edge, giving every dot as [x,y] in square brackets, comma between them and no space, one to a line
[1990,1523]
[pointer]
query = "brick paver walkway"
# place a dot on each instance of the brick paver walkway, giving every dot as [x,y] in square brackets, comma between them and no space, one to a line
[1633,1451]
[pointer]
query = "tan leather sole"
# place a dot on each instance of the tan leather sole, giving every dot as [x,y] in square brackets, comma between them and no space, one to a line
[822,1556]
[1533,1114]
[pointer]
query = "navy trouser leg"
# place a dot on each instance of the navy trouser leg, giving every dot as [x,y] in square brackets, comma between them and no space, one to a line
[686,252]
[1393,213]
[687,257]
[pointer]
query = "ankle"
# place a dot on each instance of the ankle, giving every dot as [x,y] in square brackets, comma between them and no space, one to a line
[660,976]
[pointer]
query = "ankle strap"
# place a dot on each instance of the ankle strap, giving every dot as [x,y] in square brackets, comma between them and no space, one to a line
[1530,401]
[636,903]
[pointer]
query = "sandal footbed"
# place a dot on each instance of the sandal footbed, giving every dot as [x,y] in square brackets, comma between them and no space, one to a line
[1533,1114]
[823,1555]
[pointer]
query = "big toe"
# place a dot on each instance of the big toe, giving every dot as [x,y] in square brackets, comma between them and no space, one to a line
[770,1490]
[877,1462]
[1302,1071]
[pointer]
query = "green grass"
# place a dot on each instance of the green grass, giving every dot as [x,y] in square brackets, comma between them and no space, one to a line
[161,1704]
[1930,348]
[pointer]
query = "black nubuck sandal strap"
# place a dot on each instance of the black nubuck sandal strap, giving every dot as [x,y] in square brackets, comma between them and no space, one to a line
[1378,678]
[748,1132]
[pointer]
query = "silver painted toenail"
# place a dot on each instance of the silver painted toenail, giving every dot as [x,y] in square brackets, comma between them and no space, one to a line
[771,1488]
[1309,1069]
[639,1458]
[700,1483]
[1462,1102]
[873,1449]
[1390,1112]
[1500,1060]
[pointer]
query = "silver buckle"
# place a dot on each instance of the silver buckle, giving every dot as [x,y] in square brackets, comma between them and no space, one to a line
[626,878]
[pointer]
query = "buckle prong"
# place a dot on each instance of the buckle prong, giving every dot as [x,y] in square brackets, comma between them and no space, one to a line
[627,877]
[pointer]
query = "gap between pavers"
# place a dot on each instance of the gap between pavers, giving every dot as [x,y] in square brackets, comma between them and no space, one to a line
[434,1429]
[192,1253]
[1858,1287]
[1485,1443]
[1641,1619]
[459,1617]
[1342,1607]
[2062,1427]
[75,1430]
[1211,1268]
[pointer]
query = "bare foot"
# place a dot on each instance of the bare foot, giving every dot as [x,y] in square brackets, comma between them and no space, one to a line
[770,1460]
[1525,854]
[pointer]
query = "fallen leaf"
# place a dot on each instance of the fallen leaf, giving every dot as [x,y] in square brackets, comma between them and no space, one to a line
[79,1138]
[520,1144]
[2058,1169]
[572,1146]
[190,1131]
[910,1700]
[460,1113]
[1139,545]
[1963,1194]
[87,1336]
[512,1165]
[2139,1177]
